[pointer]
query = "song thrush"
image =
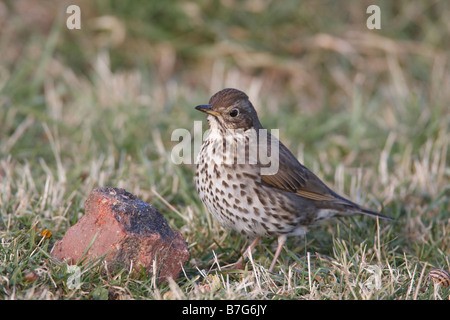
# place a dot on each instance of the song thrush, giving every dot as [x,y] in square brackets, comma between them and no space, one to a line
[237,188]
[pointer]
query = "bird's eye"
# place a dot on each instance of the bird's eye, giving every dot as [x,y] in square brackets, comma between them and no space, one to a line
[234,113]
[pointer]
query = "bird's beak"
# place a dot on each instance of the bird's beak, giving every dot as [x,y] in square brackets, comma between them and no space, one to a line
[206,108]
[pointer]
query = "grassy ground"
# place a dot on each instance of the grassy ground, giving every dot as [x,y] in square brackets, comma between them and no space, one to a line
[366,110]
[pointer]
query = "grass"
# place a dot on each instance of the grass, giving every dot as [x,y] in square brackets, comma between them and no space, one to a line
[368,111]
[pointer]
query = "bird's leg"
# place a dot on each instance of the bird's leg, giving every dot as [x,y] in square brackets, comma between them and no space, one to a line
[281,242]
[240,263]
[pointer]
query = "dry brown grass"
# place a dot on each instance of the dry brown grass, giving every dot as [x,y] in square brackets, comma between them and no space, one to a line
[368,111]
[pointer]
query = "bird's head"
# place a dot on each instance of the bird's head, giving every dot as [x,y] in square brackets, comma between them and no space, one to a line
[230,109]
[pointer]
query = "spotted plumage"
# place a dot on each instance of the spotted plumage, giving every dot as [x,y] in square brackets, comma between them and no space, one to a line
[235,188]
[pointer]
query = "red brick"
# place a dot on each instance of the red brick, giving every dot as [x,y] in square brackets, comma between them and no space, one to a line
[128,231]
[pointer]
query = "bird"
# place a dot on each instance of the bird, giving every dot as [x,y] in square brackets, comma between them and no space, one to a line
[235,184]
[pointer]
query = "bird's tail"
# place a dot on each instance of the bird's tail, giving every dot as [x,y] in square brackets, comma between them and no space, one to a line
[356,208]
[374,213]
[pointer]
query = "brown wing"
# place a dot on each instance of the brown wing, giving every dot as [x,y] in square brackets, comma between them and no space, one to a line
[294,177]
